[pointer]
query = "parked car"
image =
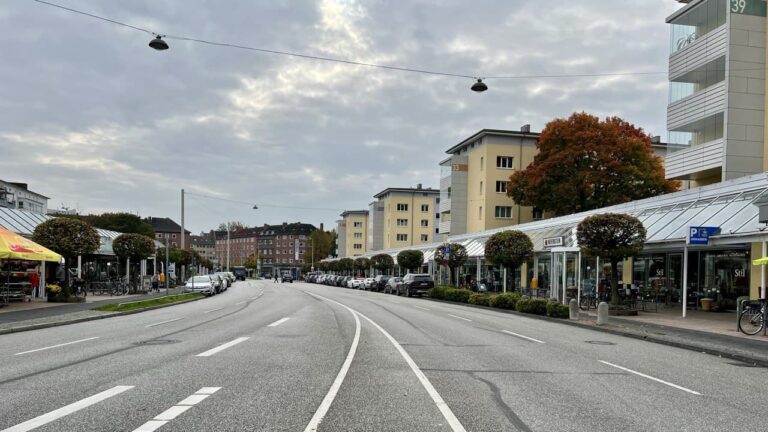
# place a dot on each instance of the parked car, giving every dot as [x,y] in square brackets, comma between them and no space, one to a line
[381,282]
[232,277]
[415,283]
[369,283]
[240,272]
[393,285]
[225,279]
[201,284]
[355,283]
[218,282]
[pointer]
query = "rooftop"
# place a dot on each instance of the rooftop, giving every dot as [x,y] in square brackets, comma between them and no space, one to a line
[164,225]
[354,212]
[524,132]
[417,189]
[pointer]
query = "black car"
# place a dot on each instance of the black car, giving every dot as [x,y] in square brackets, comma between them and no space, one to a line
[380,282]
[417,284]
[287,278]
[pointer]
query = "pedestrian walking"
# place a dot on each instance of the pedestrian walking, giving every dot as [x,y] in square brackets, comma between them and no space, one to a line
[155,283]
[275,278]
[162,279]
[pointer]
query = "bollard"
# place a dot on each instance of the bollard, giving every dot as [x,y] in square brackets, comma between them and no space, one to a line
[573,309]
[602,313]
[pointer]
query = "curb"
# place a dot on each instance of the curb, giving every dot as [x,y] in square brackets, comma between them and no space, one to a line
[755,360]
[93,318]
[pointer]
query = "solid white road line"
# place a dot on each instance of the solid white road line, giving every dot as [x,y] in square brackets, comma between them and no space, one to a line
[220,348]
[461,318]
[177,410]
[241,303]
[325,405]
[651,378]
[164,322]
[213,310]
[67,410]
[422,308]
[278,322]
[56,346]
[453,422]
[522,337]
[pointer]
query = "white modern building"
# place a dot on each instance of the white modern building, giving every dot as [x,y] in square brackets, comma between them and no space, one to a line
[716,111]
[17,196]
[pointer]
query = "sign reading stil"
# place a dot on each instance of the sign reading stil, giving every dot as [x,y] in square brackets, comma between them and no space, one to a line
[700,235]
[553,242]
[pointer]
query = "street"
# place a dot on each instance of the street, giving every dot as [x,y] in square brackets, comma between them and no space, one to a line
[292,357]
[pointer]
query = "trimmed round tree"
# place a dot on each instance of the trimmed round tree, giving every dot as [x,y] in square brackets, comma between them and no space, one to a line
[614,237]
[345,265]
[453,258]
[135,247]
[362,265]
[382,262]
[69,238]
[509,249]
[410,259]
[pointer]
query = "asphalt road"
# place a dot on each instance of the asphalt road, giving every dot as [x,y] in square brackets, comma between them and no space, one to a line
[294,357]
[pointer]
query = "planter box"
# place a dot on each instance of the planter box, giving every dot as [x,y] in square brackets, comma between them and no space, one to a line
[66,300]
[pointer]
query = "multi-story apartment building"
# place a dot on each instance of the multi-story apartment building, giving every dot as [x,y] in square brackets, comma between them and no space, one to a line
[205,245]
[18,196]
[473,183]
[375,226]
[717,90]
[352,233]
[242,244]
[408,217]
[167,230]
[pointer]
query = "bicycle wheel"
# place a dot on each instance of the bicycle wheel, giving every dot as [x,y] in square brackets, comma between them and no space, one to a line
[584,303]
[751,321]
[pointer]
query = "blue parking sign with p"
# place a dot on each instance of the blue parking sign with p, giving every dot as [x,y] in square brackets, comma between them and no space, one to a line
[701,235]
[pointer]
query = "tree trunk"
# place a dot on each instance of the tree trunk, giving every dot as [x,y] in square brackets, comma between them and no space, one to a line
[614,281]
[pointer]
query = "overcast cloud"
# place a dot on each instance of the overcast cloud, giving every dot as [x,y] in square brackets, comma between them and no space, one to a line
[94,118]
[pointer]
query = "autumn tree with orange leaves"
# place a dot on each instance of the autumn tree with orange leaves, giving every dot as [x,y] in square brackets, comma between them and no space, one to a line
[585,163]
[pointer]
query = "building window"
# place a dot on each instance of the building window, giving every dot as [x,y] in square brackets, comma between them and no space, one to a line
[480,212]
[402,207]
[358,246]
[504,162]
[503,212]
[402,222]
[482,163]
[173,236]
[424,238]
[537,213]
[425,208]
[425,223]
[402,237]
[501,187]
[358,224]
[481,187]
[358,235]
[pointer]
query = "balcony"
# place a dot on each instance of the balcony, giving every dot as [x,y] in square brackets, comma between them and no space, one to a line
[696,106]
[444,227]
[686,164]
[700,52]
[445,205]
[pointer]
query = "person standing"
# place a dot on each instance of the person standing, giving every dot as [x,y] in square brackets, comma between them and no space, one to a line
[275,278]
[155,283]
[162,279]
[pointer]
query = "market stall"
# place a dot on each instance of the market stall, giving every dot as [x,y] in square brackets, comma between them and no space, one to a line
[22,266]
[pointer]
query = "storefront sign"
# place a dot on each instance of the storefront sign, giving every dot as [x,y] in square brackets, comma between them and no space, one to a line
[701,235]
[553,242]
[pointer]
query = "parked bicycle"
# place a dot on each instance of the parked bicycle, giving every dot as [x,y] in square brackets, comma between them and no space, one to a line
[588,301]
[752,318]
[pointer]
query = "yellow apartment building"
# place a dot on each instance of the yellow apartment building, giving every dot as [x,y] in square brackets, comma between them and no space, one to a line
[408,217]
[352,233]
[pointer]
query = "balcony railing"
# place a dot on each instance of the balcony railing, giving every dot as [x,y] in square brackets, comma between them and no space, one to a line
[444,227]
[700,52]
[683,164]
[696,106]
[445,205]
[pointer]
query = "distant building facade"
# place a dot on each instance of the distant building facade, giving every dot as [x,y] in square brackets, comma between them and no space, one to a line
[18,196]
[167,230]
[205,245]
[352,233]
[408,216]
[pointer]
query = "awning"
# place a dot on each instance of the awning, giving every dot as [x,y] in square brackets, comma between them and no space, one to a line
[14,246]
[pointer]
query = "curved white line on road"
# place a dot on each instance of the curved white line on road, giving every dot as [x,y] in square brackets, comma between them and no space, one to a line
[325,405]
[651,378]
[454,422]
[57,346]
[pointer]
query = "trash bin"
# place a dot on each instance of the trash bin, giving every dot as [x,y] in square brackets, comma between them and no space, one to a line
[706,304]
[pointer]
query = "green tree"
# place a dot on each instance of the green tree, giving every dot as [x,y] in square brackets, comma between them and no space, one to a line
[455,258]
[509,249]
[131,246]
[410,259]
[362,265]
[252,262]
[344,265]
[69,238]
[322,244]
[382,262]
[123,223]
[611,236]
[584,164]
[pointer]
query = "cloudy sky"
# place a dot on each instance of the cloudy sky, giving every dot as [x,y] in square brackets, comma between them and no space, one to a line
[95,119]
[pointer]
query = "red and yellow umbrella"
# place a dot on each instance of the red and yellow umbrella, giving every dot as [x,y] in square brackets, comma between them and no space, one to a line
[14,246]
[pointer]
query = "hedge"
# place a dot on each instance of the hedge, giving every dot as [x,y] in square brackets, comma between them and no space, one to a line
[480,299]
[534,306]
[505,301]
[557,310]
[459,295]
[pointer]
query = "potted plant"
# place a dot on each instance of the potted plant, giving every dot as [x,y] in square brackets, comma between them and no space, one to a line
[709,297]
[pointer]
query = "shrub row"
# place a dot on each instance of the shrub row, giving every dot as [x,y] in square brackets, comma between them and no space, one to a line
[510,301]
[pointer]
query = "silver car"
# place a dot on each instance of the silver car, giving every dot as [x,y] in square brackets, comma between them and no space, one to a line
[201,284]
